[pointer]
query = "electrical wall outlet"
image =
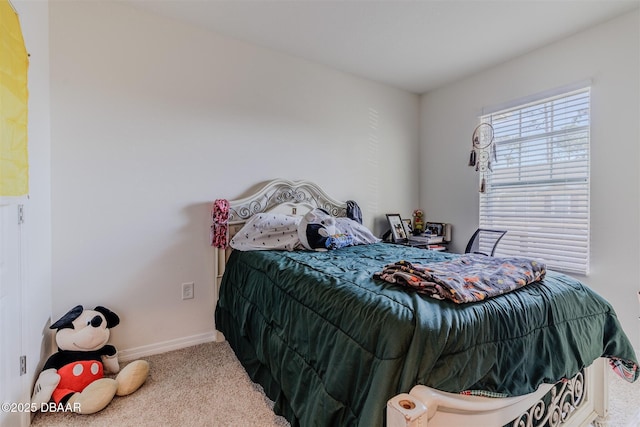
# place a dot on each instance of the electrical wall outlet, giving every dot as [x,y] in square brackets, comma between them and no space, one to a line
[187,290]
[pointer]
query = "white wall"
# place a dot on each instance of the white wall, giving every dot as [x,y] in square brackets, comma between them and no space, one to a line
[152,120]
[609,56]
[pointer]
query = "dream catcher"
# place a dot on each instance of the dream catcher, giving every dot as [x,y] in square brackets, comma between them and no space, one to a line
[483,151]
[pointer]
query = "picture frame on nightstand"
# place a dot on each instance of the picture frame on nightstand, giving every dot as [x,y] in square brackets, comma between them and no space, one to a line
[397,226]
[407,226]
[439,229]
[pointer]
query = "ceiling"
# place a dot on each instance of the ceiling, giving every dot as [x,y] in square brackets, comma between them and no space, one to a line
[413,45]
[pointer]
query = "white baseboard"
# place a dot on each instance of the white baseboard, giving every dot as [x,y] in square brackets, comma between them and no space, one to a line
[135,353]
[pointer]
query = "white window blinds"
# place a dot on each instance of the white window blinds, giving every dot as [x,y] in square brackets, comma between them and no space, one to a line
[539,188]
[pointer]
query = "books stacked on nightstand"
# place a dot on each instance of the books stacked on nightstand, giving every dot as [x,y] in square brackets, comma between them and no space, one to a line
[426,239]
[433,242]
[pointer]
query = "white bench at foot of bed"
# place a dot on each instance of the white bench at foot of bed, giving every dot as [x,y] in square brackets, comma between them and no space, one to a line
[576,402]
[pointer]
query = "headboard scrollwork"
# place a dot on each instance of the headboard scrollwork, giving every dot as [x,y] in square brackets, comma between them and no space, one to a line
[282,192]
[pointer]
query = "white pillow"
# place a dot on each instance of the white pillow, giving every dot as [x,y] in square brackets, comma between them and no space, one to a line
[268,231]
[361,234]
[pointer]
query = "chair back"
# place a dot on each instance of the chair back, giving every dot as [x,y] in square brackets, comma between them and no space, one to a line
[484,241]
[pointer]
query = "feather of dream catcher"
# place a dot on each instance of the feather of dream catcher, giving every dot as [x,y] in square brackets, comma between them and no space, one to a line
[483,151]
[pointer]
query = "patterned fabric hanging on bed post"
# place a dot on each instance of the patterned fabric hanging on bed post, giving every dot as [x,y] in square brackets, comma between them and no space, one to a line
[353,211]
[219,227]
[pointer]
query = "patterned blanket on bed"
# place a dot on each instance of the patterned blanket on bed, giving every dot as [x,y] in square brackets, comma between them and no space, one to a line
[468,278]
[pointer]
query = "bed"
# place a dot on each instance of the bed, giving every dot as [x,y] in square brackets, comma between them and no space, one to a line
[332,345]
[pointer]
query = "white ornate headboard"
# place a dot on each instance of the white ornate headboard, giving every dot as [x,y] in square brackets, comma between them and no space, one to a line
[279,195]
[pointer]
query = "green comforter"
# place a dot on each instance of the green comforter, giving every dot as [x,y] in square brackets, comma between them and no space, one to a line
[330,344]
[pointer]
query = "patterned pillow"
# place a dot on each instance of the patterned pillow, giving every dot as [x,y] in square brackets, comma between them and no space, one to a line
[268,231]
[273,231]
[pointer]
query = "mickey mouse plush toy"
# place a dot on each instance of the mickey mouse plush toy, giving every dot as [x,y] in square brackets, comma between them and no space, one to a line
[73,378]
[317,231]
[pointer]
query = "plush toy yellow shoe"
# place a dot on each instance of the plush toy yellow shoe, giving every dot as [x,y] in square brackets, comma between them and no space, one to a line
[131,377]
[95,397]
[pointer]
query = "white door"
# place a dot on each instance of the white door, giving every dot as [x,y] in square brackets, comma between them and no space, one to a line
[13,385]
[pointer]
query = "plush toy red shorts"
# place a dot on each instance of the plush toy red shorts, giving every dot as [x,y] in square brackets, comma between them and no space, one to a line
[75,376]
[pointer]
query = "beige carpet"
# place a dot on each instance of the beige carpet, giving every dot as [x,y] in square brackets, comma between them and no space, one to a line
[199,386]
[205,385]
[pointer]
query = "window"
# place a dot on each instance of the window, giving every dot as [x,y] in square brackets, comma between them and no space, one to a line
[539,187]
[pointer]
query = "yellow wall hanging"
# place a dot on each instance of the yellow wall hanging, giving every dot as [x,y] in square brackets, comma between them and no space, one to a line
[14,63]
